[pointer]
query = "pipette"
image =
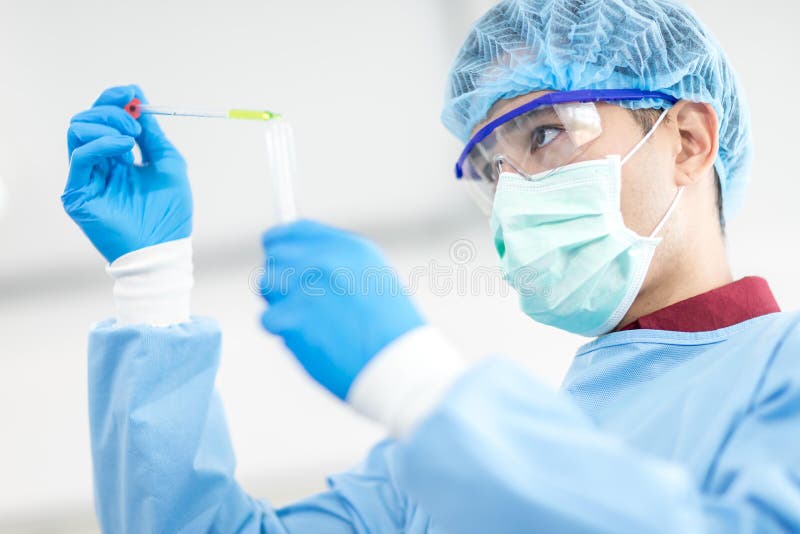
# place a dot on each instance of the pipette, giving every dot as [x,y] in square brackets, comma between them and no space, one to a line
[136,109]
[280,146]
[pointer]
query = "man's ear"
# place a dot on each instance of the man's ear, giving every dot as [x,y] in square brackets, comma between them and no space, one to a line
[698,127]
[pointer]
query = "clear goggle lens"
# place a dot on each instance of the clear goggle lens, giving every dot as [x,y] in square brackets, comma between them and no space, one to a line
[532,144]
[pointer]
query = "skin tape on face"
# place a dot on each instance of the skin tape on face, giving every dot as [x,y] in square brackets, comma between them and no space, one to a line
[581,121]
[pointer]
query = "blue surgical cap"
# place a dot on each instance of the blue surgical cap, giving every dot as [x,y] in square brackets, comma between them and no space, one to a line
[521,46]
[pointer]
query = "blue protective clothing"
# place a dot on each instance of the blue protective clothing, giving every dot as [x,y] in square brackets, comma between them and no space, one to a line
[333,299]
[654,431]
[520,46]
[119,205]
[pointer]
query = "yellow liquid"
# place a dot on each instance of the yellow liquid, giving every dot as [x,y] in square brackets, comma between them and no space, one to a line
[252,114]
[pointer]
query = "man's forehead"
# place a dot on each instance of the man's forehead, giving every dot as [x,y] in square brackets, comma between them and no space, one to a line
[505,105]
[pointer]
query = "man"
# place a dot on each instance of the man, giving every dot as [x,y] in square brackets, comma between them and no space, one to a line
[611,141]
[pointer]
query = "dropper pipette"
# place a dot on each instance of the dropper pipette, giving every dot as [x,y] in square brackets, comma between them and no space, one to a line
[136,109]
[280,146]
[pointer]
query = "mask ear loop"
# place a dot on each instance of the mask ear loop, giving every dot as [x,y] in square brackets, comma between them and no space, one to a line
[646,138]
[678,195]
[666,216]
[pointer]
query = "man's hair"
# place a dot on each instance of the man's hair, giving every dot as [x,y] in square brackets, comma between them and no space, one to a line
[647,119]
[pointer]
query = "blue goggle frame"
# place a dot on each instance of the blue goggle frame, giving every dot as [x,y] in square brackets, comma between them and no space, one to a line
[564,97]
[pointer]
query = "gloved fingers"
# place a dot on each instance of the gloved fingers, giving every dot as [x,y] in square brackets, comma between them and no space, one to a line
[301,229]
[274,284]
[80,133]
[285,259]
[152,140]
[117,96]
[112,116]
[154,144]
[304,245]
[277,321]
[85,157]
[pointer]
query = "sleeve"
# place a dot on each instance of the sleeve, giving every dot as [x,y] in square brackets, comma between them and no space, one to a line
[406,380]
[503,449]
[163,460]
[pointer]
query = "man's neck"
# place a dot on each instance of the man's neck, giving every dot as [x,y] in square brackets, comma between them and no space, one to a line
[688,278]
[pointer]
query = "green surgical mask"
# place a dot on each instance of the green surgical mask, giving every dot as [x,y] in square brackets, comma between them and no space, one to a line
[564,246]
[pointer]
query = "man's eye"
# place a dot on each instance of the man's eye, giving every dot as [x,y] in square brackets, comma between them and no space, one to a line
[543,136]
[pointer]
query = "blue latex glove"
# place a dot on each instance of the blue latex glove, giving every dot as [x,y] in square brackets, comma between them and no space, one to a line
[333,300]
[119,205]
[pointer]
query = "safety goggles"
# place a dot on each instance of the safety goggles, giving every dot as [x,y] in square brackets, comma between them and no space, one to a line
[542,135]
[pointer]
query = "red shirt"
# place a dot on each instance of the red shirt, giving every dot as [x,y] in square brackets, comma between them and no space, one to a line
[728,305]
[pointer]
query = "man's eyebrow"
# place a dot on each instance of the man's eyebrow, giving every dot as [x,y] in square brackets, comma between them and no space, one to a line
[542,113]
[537,113]
[547,110]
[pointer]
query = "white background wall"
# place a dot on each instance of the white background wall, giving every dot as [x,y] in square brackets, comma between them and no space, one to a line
[362,82]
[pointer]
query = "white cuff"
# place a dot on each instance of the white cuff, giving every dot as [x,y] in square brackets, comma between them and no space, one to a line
[153,285]
[404,382]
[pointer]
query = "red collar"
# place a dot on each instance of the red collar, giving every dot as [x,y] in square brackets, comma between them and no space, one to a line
[725,306]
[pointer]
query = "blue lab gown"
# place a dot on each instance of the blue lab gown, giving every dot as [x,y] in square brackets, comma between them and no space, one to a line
[654,431]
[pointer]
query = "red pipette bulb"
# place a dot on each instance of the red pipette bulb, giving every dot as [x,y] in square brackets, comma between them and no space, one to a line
[133,108]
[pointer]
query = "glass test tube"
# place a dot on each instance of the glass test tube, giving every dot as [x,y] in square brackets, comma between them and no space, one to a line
[282,164]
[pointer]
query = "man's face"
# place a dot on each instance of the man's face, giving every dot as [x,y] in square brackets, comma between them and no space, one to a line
[648,187]
[680,152]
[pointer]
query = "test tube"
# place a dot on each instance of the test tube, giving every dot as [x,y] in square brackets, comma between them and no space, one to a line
[281,156]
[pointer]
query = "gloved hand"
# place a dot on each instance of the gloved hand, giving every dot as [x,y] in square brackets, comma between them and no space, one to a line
[333,300]
[121,206]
